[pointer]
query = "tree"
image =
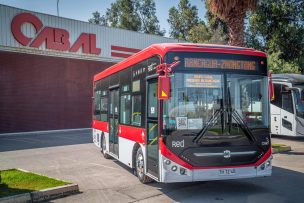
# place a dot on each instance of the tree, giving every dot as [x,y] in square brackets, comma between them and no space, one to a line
[279,65]
[277,27]
[123,14]
[147,14]
[136,15]
[233,13]
[217,27]
[182,19]
[199,34]
[97,19]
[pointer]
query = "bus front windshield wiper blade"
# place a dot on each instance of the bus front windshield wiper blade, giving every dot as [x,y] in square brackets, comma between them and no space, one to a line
[209,124]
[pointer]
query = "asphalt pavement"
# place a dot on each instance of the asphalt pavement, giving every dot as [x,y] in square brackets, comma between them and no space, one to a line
[73,157]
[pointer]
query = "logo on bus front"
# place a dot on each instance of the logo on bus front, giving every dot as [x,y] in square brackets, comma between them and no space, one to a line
[227,154]
[178,144]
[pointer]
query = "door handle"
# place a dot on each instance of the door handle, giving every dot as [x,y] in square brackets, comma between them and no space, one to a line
[285,116]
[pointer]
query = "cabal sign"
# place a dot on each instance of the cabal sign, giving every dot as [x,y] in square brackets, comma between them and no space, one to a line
[54,38]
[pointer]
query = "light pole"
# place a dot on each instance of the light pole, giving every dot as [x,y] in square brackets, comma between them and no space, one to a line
[57,7]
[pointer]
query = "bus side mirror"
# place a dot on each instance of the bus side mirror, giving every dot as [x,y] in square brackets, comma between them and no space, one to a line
[163,87]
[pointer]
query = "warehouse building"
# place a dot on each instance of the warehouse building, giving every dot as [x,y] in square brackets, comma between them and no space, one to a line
[47,64]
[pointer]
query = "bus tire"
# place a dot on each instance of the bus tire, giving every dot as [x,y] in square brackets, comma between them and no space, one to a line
[140,167]
[103,146]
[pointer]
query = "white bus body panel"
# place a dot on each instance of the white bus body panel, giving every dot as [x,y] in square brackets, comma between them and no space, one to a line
[125,151]
[168,176]
[275,120]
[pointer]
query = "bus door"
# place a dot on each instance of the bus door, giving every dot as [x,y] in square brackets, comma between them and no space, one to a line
[287,112]
[113,121]
[152,128]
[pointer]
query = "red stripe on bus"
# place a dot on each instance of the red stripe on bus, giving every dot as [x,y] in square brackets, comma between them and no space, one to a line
[170,155]
[121,55]
[132,133]
[100,125]
[126,49]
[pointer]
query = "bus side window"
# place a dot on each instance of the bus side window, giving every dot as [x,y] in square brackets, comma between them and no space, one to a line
[104,109]
[287,104]
[277,95]
[136,110]
[125,109]
[97,94]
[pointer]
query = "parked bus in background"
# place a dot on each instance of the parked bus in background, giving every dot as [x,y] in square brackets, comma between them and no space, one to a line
[287,107]
[186,112]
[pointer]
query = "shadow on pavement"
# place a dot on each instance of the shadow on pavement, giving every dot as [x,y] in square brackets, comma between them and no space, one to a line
[31,141]
[283,186]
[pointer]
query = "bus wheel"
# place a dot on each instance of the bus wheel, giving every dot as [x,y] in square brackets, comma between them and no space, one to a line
[140,167]
[103,147]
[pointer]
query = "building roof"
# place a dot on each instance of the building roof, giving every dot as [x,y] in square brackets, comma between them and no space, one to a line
[293,78]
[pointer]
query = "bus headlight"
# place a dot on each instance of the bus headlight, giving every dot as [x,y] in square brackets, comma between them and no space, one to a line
[167,162]
[174,168]
[182,171]
[268,163]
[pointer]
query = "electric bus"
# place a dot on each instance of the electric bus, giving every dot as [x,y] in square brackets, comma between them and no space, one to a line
[186,112]
[287,107]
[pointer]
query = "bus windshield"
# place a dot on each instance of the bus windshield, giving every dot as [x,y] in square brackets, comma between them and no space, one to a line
[228,101]
[299,102]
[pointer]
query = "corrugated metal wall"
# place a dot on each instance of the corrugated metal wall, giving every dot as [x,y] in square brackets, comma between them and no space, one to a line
[106,36]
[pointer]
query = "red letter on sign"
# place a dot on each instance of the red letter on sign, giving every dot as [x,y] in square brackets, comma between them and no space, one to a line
[61,40]
[55,38]
[82,41]
[18,21]
[47,35]
[93,48]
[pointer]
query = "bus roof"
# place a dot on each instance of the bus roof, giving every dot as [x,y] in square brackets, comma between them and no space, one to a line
[163,48]
[292,78]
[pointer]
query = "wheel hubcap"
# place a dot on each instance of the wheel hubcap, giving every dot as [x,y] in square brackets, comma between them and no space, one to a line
[140,165]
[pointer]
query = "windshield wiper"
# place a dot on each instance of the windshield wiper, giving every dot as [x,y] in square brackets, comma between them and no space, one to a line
[237,117]
[208,125]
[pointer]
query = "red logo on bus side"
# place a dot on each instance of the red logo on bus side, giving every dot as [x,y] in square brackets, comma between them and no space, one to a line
[54,38]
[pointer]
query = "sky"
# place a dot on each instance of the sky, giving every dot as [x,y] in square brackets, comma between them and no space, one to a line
[82,9]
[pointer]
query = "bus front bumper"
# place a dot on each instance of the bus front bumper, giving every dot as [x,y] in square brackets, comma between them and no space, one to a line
[175,173]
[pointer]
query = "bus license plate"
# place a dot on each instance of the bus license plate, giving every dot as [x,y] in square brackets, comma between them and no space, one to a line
[227,172]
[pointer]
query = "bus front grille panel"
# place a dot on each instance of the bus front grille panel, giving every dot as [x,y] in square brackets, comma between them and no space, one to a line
[221,156]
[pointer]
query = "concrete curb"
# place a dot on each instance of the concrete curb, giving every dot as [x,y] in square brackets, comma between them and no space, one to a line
[276,150]
[43,195]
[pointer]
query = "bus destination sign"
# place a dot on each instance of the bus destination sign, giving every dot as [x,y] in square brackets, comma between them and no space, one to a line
[220,64]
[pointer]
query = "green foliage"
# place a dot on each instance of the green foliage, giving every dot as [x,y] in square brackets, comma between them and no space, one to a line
[123,14]
[279,65]
[147,13]
[97,19]
[277,27]
[182,19]
[136,15]
[186,25]
[217,27]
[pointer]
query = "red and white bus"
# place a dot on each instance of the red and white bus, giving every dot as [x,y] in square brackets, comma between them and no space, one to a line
[186,112]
